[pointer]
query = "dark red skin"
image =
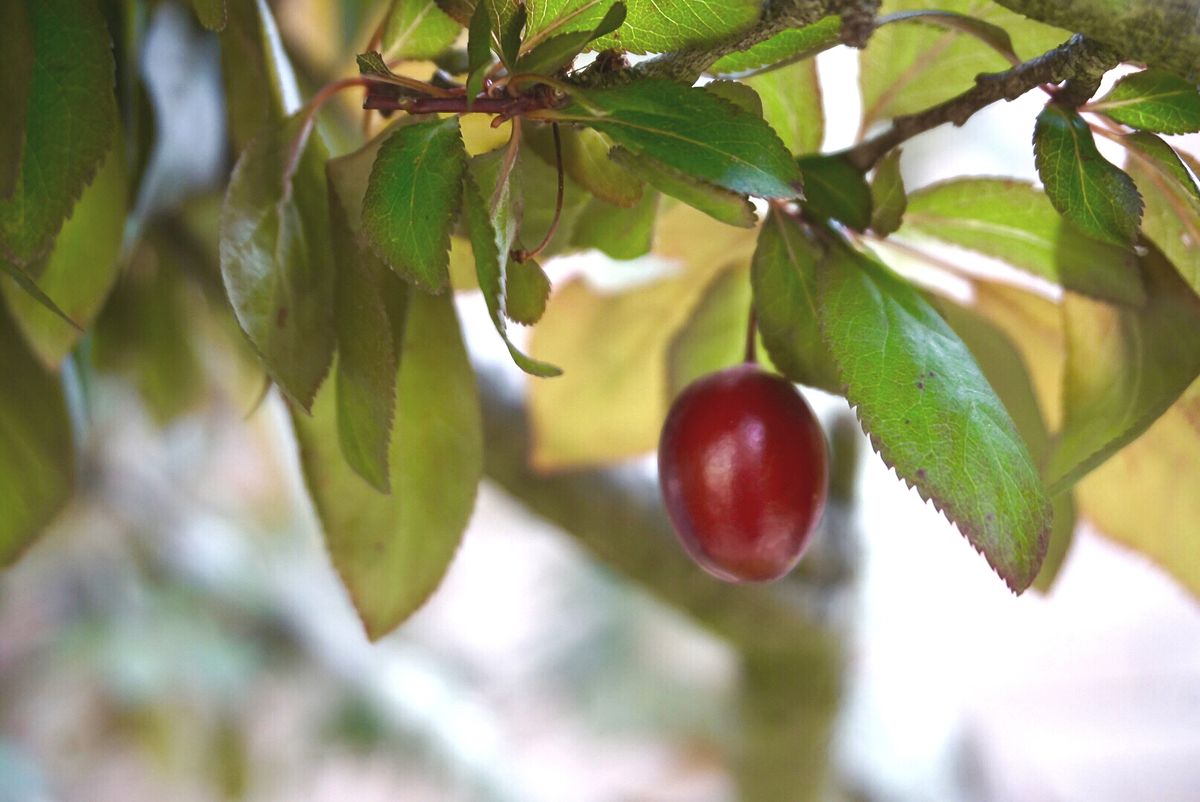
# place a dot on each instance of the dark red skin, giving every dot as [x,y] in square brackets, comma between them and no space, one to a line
[744,472]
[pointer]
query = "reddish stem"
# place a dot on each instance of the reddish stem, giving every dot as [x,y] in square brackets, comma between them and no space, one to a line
[525,256]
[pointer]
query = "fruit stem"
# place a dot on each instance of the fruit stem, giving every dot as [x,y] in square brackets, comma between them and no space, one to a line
[751,355]
[522,255]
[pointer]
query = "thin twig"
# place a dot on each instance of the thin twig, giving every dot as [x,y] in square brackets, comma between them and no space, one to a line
[1078,58]
[525,256]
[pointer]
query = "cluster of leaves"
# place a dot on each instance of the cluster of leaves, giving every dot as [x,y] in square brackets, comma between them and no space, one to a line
[339,259]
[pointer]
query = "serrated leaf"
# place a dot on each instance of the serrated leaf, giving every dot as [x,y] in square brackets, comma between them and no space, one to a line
[526,289]
[211,13]
[721,204]
[369,301]
[616,232]
[791,105]
[888,198]
[80,270]
[1153,100]
[1005,370]
[739,94]
[417,29]
[907,68]
[70,119]
[1125,367]
[585,155]
[714,335]
[785,47]
[1082,185]
[489,239]
[412,198]
[931,414]
[556,52]
[784,280]
[692,131]
[392,551]
[16,43]
[836,191]
[1015,222]
[37,469]
[276,258]
[147,333]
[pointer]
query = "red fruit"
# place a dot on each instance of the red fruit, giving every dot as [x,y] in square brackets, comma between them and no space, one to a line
[743,470]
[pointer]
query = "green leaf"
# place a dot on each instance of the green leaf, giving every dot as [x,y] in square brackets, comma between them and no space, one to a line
[479,50]
[931,414]
[694,132]
[836,190]
[491,236]
[70,120]
[16,43]
[1172,217]
[392,551]
[30,288]
[616,232]
[260,86]
[1085,188]
[1156,154]
[785,47]
[412,198]
[276,257]
[907,68]
[373,65]
[784,280]
[559,51]
[791,104]
[526,289]
[147,333]
[1153,100]
[729,207]
[585,155]
[1005,370]
[369,304]
[1125,367]
[714,336]
[888,199]
[1062,536]
[417,29]
[211,13]
[37,469]
[739,94]
[651,26]
[1015,222]
[510,36]
[81,268]
[990,34]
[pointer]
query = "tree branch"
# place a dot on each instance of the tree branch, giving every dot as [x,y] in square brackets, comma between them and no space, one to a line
[1079,60]
[1159,33]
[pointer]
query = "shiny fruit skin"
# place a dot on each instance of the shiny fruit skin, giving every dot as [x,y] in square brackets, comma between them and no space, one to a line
[743,468]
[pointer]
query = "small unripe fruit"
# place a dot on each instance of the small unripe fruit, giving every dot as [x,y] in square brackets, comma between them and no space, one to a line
[743,469]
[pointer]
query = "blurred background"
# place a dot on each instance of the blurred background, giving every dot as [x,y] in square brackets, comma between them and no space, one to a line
[181,635]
